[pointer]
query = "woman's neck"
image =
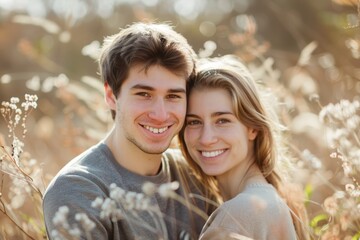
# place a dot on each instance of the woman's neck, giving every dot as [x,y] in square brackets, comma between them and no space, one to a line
[235,180]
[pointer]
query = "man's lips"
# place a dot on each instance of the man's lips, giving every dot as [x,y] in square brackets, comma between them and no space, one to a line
[155,130]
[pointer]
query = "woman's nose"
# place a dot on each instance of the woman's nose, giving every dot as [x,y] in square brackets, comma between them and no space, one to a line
[208,135]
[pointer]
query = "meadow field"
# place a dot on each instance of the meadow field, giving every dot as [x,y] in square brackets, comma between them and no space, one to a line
[52,106]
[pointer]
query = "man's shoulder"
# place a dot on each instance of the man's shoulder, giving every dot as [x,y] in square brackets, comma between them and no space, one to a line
[85,161]
[83,170]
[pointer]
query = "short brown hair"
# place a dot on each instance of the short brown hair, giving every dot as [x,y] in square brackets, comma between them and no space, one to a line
[147,44]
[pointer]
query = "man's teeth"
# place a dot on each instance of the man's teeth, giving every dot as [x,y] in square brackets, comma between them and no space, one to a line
[212,154]
[156,130]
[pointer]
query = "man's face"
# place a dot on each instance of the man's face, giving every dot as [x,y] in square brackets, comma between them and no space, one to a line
[150,109]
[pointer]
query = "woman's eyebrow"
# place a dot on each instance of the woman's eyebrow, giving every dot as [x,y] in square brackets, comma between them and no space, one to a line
[149,88]
[215,114]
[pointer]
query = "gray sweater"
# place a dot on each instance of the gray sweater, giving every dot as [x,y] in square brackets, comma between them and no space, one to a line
[89,176]
[257,213]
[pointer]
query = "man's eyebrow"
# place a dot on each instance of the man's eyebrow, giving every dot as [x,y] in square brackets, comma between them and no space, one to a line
[177,90]
[141,86]
[149,88]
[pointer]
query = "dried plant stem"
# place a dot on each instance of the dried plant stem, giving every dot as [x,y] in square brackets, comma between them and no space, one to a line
[190,206]
[2,181]
[192,195]
[159,222]
[28,179]
[358,10]
[3,210]
[138,220]
[326,182]
[356,139]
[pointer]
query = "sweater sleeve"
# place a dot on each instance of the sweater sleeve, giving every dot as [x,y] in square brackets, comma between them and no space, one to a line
[76,193]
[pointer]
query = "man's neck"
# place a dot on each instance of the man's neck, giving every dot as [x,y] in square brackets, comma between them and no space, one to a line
[132,158]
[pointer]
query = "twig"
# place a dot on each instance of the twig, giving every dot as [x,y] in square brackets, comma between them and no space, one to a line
[13,221]
[29,180]
[192,206]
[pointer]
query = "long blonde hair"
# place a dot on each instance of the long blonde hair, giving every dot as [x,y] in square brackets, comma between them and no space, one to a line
[230,74]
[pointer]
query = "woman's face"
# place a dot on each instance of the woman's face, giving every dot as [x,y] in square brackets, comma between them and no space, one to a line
[215,138]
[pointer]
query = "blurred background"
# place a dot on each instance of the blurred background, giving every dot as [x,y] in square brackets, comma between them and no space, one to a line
[307,52]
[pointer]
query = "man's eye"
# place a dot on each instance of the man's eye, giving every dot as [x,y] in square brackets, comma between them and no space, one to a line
[174,96]
[143,94]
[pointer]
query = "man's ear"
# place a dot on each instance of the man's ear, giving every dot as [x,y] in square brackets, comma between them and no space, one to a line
[110,98]
[252,133]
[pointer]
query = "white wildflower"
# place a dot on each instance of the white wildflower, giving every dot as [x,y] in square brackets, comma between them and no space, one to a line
[167,189]
[5,104]
[85,221]
[75,232]
[112,186]
[352,123]
[117,193]
[97,202]
[149,188]
[339,194]
[107,208]
[350,188]
[55,234]
[311,159]
[130,198]
[60,218]
[347,168]
[14,100]
[17,146]
[139,199]
[331,206]
[30,101]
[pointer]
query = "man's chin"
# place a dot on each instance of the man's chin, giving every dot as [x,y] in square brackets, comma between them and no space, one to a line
[156,150]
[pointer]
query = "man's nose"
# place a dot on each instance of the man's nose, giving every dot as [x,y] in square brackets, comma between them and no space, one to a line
[159,111]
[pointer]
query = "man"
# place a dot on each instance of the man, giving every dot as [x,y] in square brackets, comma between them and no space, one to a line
[145,68]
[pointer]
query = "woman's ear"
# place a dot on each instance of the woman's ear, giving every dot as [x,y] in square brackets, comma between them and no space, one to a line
[110,98]
[252,133]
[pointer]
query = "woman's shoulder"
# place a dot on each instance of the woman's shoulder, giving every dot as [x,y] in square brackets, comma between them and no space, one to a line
[257,199]
[252,212]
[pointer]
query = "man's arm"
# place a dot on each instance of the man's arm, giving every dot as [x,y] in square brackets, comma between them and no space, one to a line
[68,211]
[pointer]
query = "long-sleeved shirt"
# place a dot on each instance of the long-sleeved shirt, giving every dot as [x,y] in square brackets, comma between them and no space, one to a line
[257,212]
[90,175]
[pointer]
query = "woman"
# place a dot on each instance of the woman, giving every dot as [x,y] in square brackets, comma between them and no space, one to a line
[229,140]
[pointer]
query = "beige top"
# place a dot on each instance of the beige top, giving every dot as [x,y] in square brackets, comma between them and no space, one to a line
[258,213]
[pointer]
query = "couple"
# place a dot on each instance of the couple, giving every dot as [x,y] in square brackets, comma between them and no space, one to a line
[156,89]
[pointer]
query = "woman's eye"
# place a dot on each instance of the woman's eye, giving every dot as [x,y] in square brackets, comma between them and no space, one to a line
[222,121]
[192,122]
